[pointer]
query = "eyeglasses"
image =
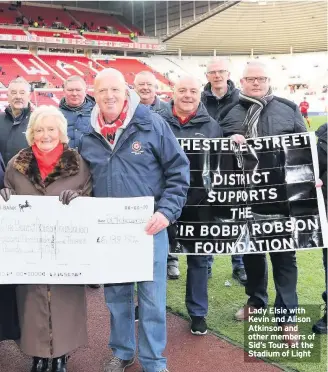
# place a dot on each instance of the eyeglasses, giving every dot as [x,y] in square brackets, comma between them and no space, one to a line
[220,72]
[260,79]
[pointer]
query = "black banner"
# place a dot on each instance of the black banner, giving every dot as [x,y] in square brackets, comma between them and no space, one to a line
[251,198]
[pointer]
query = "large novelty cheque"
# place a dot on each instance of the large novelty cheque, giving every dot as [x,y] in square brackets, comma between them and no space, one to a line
[90,241]
[251,198]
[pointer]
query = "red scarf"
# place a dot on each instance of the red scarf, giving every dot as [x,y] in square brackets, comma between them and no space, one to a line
[47,160]
[108,130]
[186,120]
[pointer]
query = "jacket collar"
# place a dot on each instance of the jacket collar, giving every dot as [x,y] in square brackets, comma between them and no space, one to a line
[67,165]
[88,102]
[201,116]
[208,90]
[17,120]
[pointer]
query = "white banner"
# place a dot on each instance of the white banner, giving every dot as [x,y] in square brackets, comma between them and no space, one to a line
[89,241]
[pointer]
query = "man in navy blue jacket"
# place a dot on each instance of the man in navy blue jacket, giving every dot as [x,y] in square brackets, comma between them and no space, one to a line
[76,106]
[188,118]
[132,152]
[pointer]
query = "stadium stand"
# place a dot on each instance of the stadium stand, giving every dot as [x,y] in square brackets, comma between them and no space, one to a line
[72,65]
[104,37]
[27,66]
[49,15]
[7,16]
[54,33]
[99,20]
[12,31]
[131,66]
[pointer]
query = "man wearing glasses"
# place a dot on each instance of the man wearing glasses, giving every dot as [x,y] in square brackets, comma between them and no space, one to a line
[259,113]
[219,96]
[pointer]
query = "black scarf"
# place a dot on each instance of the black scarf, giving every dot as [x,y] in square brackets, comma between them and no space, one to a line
[250,123]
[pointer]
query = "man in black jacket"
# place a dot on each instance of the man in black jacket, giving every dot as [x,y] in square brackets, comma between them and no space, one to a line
[320,326]
[260,113]
[13,122]
[145,84]
[188,118]
[219,96]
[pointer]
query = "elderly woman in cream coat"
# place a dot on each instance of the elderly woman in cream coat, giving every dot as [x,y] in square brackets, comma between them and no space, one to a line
[52,317]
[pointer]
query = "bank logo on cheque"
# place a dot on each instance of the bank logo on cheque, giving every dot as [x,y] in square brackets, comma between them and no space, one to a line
[136,148]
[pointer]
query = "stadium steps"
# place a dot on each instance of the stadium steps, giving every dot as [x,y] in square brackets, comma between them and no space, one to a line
[49,68]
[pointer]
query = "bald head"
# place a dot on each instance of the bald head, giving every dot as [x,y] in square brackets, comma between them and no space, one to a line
[110,92]
[186,95]
[109,73]
[145,84]
[256,79]
[189,80]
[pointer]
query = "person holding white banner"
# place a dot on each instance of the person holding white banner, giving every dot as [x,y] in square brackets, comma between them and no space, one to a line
[9,325]
[260,113]
[52,317]
[132,152]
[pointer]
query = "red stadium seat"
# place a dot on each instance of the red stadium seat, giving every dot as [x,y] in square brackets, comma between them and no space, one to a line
[49,15]
[62,34]
[12,31]
[27,66]
[99,20]
[104,37]
[130,67]
[72,65]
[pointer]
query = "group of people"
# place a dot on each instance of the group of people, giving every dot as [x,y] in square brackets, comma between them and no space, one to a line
[86,147]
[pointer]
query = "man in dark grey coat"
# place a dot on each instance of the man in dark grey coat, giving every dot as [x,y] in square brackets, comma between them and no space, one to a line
[266,115]
[219,96]
[188,118]
[13,122]
[145,84]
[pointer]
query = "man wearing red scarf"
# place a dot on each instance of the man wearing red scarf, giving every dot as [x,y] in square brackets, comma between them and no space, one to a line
[133,153]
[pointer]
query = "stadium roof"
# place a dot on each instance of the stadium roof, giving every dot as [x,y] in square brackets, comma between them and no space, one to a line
[264,26]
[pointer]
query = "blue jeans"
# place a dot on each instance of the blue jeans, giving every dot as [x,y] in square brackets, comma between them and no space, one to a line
[236,261]
[152,314]
[196,289]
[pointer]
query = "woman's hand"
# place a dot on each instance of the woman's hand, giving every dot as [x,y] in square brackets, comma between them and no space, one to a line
[67,196]
[6,193]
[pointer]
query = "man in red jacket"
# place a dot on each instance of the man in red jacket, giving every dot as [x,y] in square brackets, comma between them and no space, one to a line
[304,106]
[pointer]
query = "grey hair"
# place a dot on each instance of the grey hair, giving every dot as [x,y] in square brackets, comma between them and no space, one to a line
[145,73]
[75,78]
[189,77]
[256,64]
[214,60]
[20,80]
